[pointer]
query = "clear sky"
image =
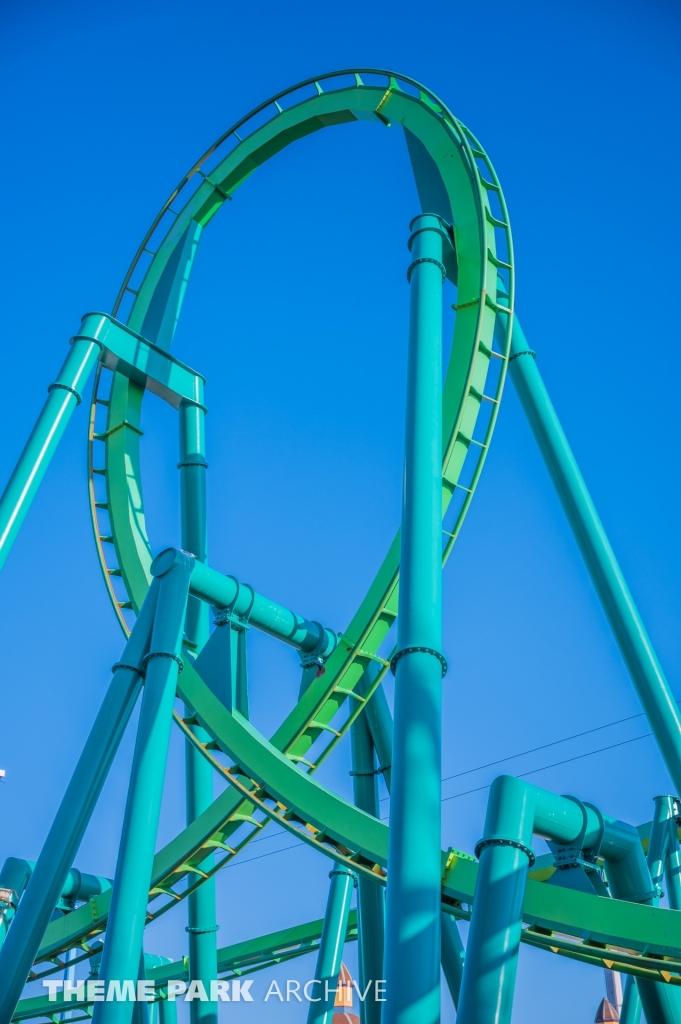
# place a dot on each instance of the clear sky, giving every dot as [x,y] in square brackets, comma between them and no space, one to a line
[297,315]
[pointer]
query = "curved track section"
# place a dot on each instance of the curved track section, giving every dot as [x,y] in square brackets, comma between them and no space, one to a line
[272,780]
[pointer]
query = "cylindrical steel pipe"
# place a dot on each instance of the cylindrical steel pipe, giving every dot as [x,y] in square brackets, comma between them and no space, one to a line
[128,913]
[639,655]
[201,911]
[414,879]
[371,895]
[64,838]
[227,592]
[64,395]
[329,959]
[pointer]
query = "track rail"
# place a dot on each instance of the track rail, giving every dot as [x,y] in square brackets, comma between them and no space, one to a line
[272,780]
[483,241]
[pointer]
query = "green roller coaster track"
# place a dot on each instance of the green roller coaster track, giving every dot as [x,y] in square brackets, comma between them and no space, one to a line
[272,780]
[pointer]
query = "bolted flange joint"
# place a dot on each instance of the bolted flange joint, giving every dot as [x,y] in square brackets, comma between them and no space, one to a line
[480,846]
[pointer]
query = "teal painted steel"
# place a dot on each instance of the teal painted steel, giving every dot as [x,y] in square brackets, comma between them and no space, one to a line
[226,592]
[63,397]
[127,917]
[663,848]
[371,895]
[452,954]
[64,838]
[639,655]
[202,915]
[380,722]
[515,811]
[631,1003]
[455,181]
[14,878]
[331,946]
[663,852]
[412,961]
[145,364]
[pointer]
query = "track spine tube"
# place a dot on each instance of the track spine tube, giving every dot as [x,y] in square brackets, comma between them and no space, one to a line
[630,633]
[412,958]
[127,917]
[331,946]
[63,397]
[56,857]
[201,910]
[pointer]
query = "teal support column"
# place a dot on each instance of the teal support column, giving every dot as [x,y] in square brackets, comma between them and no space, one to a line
[515,811]
[663,854]
[618,604]
[331,946]
[380,722]
[202,921]
[452,955]
[63,397]
[631,1003]
[167,1012]
[412,960]
[663,843]
[127,916]
[371,896]
[663,848]
[52,867]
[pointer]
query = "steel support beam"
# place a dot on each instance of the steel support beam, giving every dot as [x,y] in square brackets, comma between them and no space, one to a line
[415,871]
[646,672]
[371,895]
[331,947]
[202,920]
[228,594]
[63,397]
[515,811]
[52,867]
[452,956]
[127,917]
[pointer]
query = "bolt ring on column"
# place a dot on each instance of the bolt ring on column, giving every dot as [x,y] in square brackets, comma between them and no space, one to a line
[426,259]
[163,654]
[65,387]
[505,842]
[202,931]
[133,668]
[344,871]
[419,650]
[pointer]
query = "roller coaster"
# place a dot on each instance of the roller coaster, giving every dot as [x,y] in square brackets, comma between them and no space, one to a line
[594,898]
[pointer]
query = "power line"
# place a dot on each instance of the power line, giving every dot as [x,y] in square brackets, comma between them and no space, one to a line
[260,856]
[479,789]
[567,760]
[544,746]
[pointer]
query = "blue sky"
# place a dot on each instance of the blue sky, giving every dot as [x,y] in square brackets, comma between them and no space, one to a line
[297,315]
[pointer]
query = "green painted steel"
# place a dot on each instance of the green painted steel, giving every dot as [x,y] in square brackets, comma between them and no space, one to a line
[273,780]
[322,998]
[236,961]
